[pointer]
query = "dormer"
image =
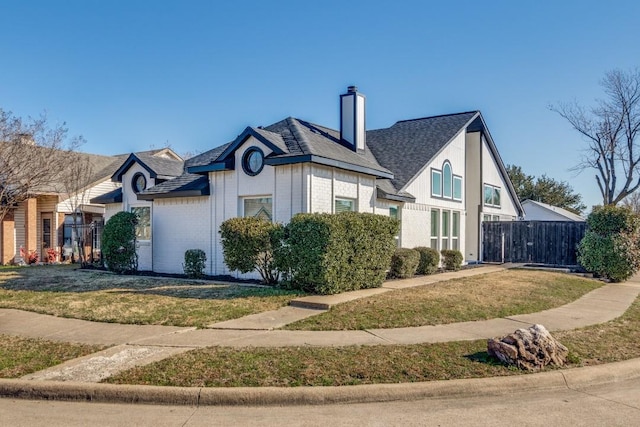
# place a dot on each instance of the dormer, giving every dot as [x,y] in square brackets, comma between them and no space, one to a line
[352,119]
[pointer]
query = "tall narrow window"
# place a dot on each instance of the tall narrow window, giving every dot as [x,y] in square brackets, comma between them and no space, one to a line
[446,180]
[143,228]
[435,227]
[455,230]
[436,183]
[445,229]
[393,213]
[457,187]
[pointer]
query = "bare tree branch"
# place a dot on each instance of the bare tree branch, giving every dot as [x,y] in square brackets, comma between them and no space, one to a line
[610,130]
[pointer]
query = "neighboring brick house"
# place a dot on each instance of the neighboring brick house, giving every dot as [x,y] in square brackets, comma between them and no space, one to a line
[45,220]
[441,176]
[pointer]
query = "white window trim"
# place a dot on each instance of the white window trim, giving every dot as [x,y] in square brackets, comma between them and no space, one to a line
[354,204]
[438,172]
[132,207]
[264,196]
[493,188]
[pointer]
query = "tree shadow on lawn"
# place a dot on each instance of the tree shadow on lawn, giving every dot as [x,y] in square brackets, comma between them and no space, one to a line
[75,280]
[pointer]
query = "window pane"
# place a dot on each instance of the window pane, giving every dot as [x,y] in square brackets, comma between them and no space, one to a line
[435,216]
[446,180]
[434,244]
[344,205]
[496,217]
[488,195]
[457,188]
[445,223]
[454,245]
[393,212]
[496,197]
[436,184]
[445,243]
[261,207]
[143,229]
[486,217]
[455,224]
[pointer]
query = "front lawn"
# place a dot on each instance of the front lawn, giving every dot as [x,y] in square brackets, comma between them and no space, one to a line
[65,291]
[311,366]
[21,356]
[481,297]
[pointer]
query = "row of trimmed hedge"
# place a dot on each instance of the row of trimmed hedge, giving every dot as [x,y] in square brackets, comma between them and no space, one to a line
[319,253]
[407,262]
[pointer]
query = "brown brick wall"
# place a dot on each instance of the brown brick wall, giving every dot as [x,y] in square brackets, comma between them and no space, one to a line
[7,243]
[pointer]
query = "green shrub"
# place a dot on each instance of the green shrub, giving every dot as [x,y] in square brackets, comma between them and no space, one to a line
[250,244]
[119,243]
[328,254]
[610,247]
[429,260]
[404,263]
[194,263]
[451,259]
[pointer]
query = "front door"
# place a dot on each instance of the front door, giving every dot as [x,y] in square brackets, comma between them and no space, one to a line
[47,242]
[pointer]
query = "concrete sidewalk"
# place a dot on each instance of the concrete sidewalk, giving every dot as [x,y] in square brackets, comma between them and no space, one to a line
[140,345]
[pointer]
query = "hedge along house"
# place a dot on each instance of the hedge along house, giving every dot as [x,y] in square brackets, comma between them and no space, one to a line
[441,176]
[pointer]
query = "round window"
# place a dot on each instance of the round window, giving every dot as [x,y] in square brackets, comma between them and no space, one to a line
[138,183]
[253,161]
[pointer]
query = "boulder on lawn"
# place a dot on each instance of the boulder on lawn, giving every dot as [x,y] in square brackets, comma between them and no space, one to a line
[528,349]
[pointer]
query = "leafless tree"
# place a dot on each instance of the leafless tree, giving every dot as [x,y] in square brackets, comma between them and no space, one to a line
[610,129]
[632,201]
[76,181]
[32,158]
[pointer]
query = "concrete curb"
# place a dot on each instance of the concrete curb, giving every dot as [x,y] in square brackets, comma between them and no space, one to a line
[574,379]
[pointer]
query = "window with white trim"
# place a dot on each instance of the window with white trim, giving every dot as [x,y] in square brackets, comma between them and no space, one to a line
[143,227]
[444,244]
[258,207]
[445,184]
[435,228]
[344,205]
[394,212]
[436,183]
[491,195]
[455,230]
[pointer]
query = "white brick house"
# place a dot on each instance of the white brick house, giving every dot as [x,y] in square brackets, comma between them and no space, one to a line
[441,176]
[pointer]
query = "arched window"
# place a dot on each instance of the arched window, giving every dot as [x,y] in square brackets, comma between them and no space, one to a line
[446,180]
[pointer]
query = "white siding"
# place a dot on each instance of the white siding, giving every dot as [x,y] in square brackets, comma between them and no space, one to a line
[84,197]
[491,175]
[415,225]
[130,200]
[179,224]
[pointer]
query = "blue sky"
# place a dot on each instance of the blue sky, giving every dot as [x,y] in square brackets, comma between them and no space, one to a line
[130,75]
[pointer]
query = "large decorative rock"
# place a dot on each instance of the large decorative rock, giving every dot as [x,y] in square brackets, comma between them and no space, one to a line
[528,349]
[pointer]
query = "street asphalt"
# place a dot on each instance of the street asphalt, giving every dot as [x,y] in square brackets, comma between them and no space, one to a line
[134,345]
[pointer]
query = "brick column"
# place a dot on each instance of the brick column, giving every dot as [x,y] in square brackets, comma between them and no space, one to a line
[7,243]
[31,225]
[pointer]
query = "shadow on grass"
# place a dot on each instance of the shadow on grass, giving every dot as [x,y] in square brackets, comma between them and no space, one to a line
[72,279]
[484,358]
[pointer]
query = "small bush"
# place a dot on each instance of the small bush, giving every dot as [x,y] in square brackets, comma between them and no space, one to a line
[250,244]
[429,260]
[194,263]
[328,254]
[404,263]
[119,243]
[610,247]
[451,259]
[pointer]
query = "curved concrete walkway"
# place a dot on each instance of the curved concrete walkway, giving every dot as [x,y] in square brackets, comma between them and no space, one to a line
[138,345]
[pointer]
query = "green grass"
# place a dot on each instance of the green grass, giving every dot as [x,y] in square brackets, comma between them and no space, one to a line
[312,366]
[480,297]
[65,291]
[21,356]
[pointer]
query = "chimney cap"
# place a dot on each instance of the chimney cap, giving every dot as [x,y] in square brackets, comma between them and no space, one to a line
[352,89]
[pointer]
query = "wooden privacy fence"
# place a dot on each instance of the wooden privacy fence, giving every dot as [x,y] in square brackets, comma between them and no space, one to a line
[539,242]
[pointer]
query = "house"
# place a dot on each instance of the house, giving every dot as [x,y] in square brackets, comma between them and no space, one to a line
[46,219]
[440,176]
[538,211]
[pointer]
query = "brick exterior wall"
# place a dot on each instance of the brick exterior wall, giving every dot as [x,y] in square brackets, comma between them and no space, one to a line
[7,241]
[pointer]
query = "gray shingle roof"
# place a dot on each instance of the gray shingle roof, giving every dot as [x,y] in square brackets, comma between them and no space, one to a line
[407,146]
[186,185]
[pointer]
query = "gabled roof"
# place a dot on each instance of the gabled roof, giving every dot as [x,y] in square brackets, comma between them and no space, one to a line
[407,146]
[293,141]
[186,185]
[570,216]
[113,196]
[155,162]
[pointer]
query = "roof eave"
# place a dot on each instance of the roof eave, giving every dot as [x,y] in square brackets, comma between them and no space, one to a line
[310,158]
[226,165]
[175,194]
[381,194]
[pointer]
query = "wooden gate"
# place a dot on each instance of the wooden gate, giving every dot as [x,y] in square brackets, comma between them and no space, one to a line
[538,242]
